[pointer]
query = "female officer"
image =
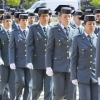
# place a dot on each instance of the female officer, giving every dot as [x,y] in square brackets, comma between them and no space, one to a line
[17,52]
[83,60]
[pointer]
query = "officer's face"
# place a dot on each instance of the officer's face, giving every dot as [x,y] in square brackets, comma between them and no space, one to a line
[65,19]
[7,23]
[97,16]
[44,19]
[31,20]
[23,23]
[90,26]
[76,19]
[16,20]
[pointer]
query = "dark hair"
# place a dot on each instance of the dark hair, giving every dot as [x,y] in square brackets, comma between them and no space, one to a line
[84,22]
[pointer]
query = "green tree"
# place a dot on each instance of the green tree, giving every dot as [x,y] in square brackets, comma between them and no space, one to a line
[95,3]
[14,3]
[29,3]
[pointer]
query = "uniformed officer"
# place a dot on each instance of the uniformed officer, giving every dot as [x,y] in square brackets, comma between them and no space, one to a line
[15,24]
[97,14]
[2,11]
[7,75]
[31,19]
[98,61]
[76,22]
[50,17]
[58,55]
[17,56]
[36,48]
[11,12]
[83,59]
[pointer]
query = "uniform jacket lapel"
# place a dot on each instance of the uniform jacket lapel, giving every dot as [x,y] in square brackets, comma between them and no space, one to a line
[61,32]
[85,40]
[40,30]
[20,34]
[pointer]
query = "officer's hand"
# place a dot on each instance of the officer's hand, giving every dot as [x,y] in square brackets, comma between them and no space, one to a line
[49,71]
[1,62]
[13,66]
[98,80]
[75,82]
[30,65]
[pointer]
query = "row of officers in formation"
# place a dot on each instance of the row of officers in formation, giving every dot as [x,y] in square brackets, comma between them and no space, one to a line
[53,58]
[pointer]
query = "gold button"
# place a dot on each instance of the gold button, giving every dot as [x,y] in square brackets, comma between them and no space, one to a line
[45,44]
[67,57]
[90,68]
[67,46]
[90,55]
[67,51]
[25,45]
[55,58]
[35,55]
[25,55]
[45,50]
[25,50]
[67,41]
[2,43]
[37,39]
[9,40]
[90,49]
[18,40]
[59,40]
[25,40]
[45,39]
[90,62]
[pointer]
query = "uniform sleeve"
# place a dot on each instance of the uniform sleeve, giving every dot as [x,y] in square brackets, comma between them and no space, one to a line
[12,48]
[49,49]
[30,46]
[74,59]
[98,57]
[0,49]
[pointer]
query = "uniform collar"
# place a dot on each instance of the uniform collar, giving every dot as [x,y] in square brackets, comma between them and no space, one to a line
[43,26]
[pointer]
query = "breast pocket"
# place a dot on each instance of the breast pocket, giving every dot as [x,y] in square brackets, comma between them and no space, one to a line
[83,52]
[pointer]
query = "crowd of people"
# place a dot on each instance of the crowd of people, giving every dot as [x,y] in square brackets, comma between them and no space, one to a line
[54,58]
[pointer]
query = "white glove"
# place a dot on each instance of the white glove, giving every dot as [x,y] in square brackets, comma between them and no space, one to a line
[13,66]
[30,65]
[98,80]
[75,82]
[1,62]
[49,71]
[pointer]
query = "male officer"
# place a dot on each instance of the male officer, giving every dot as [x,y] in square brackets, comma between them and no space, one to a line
[2,11]
[31,19]
[15,24]
[36,48]
[17,58]
[50,17]
[58,55]
[83,59]
[97,14]
[7,75]
[76,22]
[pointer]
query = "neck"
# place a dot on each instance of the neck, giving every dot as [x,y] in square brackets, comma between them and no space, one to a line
[78,24]
[89,32]
[44,24]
